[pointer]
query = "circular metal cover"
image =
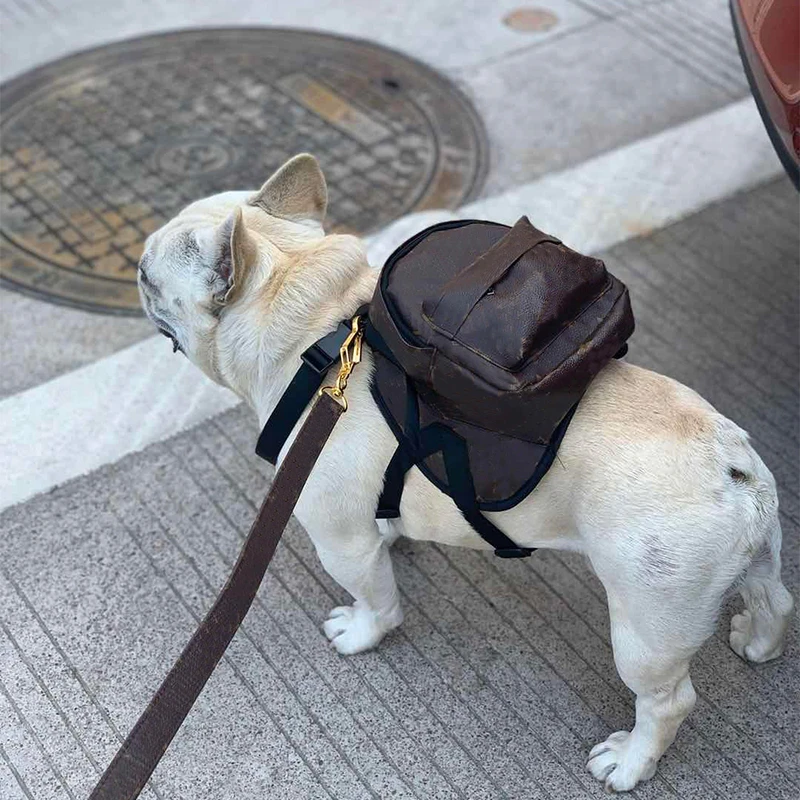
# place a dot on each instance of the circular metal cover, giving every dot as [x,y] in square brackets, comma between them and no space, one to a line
[101,148]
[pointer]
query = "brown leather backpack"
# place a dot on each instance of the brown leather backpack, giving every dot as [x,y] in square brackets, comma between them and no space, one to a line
[485,339]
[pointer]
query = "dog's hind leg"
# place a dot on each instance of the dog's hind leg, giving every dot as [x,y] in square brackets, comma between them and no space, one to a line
[657,670]
[358,560]
[758,633]
[664,590]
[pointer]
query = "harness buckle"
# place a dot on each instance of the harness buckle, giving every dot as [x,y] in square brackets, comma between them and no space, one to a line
[323,354]
[350,355]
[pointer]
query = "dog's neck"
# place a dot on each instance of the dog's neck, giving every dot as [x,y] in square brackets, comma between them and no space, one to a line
[261,337]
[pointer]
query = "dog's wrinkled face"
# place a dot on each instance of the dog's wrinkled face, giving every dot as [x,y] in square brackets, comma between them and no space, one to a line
[186,270]
[193,267]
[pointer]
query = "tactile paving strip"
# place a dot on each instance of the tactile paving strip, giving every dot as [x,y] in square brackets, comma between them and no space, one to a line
[100,148]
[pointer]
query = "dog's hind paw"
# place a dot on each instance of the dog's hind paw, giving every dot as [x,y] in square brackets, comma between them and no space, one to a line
[753,642]
[353,629]
[615,763]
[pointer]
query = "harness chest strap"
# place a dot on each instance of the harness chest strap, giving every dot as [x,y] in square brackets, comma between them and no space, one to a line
[141,751]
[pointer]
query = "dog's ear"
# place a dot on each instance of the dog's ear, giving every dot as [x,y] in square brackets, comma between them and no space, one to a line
[231,257]
[296,192]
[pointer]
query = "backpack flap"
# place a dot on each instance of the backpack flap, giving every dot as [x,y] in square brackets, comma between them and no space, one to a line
[461,293]
[502,327]
[509,305]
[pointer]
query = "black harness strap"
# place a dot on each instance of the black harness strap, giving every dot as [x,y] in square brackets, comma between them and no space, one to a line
[317,360]
[404,458]
[416,445]
[439,438]
[394,478]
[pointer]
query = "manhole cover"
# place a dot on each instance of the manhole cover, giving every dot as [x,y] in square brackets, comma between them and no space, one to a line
[100,148]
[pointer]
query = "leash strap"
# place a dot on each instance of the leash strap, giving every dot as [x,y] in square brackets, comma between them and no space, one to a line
[148,740]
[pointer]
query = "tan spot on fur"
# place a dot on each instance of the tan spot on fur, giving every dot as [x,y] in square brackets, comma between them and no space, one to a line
[691,425]
[634,402]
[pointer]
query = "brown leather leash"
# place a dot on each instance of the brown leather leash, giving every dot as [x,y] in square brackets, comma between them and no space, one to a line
[147,742]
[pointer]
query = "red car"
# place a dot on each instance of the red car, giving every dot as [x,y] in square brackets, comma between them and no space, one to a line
[768,35]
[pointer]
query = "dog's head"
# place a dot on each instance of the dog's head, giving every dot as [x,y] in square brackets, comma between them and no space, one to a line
[202,262]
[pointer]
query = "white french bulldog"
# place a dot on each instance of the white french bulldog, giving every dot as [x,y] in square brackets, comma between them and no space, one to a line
[665,496]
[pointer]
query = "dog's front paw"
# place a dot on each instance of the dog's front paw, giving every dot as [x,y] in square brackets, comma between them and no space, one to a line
[616,763]
[353,629]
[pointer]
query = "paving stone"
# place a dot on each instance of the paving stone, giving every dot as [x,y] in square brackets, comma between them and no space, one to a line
[446,34]
[564,101]
[39,340]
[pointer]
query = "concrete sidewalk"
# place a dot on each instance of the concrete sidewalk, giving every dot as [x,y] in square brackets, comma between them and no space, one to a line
[501,678]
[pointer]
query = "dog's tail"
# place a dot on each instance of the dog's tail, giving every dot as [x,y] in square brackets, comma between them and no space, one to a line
[752,487]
